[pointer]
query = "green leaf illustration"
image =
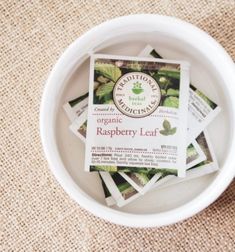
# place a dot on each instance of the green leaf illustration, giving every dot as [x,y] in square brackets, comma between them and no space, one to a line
[171,101]
[163,92]
[166,125]
[164,132]
[109,71]
[172,92]
[167,130]
[128,192]
[104,89]
[96,84]
[84,126]
[191,153]
[101,79]
[172,131]
[142,178]
[105,168]
[166,172]
[135,66]
[110,101]
[125,188]
[169,73]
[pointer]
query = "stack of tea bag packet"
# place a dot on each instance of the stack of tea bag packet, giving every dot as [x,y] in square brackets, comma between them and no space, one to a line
[143,124]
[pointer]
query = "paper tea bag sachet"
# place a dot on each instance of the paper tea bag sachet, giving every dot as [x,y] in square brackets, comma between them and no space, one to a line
[122,192]
[142,179]
[202,110]
[110,201]
[75,107]
[130,122]
[145,178]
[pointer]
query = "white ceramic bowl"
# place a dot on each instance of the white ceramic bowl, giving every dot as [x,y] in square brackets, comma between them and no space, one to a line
[212,71]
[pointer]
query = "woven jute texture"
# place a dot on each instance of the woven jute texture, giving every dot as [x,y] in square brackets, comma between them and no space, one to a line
[35,213]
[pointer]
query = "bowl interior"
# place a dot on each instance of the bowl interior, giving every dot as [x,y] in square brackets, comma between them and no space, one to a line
[203,76]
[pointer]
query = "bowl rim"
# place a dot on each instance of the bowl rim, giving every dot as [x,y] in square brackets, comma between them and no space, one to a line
[54,88]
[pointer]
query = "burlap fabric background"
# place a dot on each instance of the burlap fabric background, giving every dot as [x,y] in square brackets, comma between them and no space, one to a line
[35,212]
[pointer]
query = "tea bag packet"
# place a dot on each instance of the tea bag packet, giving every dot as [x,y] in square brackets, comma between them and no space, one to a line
[202,110]
[79,126]
[75,107]
[122,192]
[141,179]
[194,153]
[208,166]
[108,197]
[130,122]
